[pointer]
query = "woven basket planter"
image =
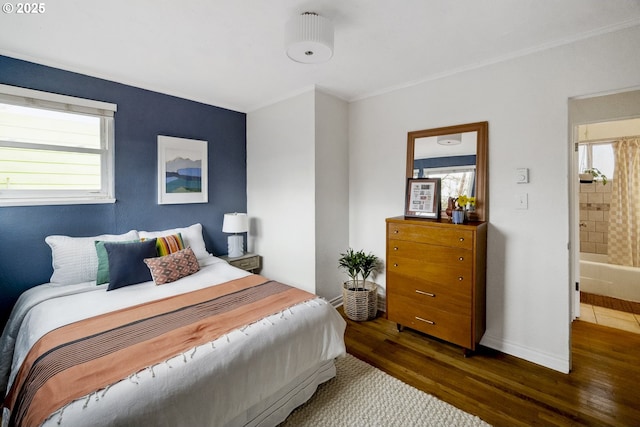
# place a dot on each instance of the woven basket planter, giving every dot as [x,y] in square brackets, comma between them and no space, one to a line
[360,304]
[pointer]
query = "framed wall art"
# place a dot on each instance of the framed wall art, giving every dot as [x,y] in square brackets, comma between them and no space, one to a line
[423,198]
[182,170]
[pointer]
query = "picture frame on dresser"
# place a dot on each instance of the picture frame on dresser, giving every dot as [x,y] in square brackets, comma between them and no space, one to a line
[422,198]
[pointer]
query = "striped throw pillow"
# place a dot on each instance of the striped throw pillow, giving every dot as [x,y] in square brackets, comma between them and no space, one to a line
[166,245]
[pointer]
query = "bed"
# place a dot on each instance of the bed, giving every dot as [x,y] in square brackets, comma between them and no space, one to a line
[217,346]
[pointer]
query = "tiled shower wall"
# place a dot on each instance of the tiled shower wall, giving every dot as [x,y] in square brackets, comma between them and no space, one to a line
[595,199]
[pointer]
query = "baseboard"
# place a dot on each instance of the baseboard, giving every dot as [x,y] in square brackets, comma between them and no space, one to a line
[382,303]
[336,302]
[526,353]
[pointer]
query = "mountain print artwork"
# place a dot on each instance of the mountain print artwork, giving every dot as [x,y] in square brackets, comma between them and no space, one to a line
[183,176]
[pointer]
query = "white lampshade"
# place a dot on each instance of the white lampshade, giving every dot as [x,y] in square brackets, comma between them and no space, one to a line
[309,38]
[235,223]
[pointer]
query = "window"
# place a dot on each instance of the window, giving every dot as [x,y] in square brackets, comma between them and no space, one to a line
[597,155]
[54,149]
[454,181]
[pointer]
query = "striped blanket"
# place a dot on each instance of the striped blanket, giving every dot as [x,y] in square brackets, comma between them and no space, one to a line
[80,358]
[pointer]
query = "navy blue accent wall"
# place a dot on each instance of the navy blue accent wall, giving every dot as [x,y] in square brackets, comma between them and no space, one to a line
[25,258]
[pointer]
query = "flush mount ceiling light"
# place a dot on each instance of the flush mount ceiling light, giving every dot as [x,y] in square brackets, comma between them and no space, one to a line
[454,139]
[309,38]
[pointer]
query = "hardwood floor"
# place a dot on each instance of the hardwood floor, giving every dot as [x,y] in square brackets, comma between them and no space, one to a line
[601,390]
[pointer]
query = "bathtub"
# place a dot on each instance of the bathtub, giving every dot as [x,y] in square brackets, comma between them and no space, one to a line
[617,281]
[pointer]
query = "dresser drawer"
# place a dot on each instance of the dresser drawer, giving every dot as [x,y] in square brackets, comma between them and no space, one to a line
[450,236]
[432,271]
[455,297]
[452,327]
[442,256]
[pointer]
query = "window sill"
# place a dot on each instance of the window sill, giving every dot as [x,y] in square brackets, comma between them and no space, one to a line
[54,202]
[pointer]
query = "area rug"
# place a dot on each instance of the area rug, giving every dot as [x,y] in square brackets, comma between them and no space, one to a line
[363,396]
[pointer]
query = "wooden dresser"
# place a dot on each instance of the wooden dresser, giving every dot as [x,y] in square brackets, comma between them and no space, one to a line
[435,273]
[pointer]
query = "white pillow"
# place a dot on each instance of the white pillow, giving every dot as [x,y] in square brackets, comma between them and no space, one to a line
[191,236]
[75,259]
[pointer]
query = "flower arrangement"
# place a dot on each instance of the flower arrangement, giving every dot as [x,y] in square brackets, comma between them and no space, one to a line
[463,202]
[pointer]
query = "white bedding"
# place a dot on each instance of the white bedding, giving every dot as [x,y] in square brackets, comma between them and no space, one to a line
[231,381]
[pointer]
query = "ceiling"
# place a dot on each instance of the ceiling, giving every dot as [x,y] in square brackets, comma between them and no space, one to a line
[230,53]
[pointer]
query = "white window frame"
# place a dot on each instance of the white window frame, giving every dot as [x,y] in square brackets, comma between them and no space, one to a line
[50,101]
[588,147]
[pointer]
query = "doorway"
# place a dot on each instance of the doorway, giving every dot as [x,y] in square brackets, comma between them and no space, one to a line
[596,123]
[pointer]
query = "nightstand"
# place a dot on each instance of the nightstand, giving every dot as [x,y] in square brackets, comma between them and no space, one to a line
[248,261]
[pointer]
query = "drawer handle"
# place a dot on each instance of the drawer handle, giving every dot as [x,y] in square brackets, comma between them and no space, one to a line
[431,322]
[460,278]
[395,231]
[395,248]
[461,259]
[462,239]
[429,294]
[395,265]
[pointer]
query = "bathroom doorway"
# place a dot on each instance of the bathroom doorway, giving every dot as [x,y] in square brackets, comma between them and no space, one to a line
[605,293]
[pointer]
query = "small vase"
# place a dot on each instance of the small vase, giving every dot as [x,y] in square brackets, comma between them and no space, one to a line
[458,216]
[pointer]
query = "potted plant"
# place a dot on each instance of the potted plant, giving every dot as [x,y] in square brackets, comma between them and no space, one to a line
[587,176]
[359,296]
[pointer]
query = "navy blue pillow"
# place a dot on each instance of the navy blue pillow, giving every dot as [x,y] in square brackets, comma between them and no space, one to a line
[126,262]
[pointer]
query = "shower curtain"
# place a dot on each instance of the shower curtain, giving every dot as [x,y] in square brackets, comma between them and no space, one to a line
[624,214]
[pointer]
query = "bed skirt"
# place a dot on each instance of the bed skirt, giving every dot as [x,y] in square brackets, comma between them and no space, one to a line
[277,408]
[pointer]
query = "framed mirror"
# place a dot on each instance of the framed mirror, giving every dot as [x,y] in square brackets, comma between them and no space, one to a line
[458,156]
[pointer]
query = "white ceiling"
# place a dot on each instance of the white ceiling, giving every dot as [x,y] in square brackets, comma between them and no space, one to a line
[230,53]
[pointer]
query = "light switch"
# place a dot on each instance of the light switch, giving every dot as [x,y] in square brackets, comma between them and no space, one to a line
[522,201]
[522,175]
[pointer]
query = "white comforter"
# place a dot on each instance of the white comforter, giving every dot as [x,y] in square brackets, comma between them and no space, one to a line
[213,384]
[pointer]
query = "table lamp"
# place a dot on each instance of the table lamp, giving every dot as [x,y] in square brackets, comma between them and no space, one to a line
[235,223]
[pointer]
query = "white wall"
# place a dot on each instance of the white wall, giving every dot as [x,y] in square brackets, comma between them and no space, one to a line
[298,190]
[525,102]
[281,189]
[332,192]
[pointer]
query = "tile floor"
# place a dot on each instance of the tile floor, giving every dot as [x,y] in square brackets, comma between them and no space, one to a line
[608,317]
